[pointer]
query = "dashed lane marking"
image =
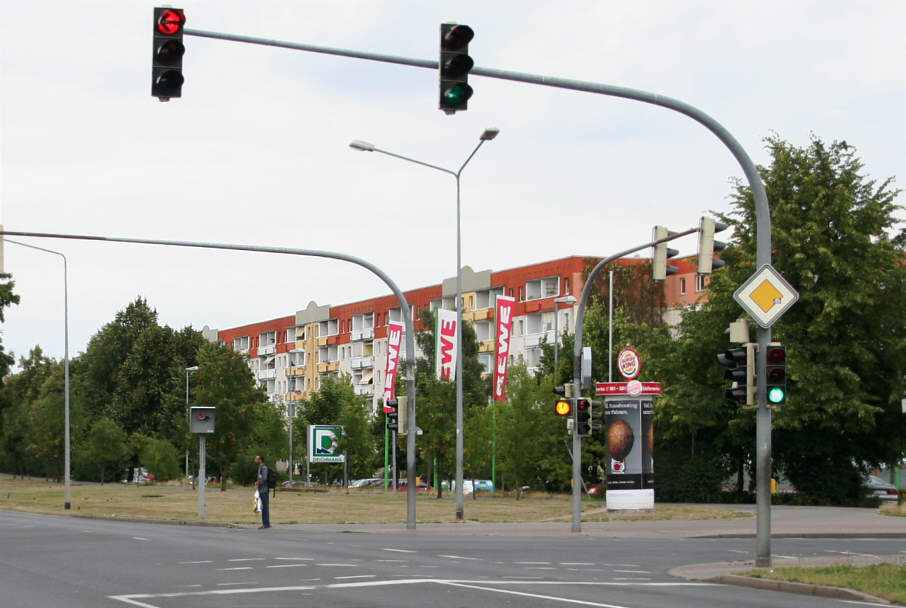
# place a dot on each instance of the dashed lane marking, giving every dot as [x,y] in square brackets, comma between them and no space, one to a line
[397,550]
[477,559]
[140,538]
[577,563]
[536,596]
[356,576]
[288,566]
[246,559]
[300,559]
[235,568]
[338,565]
[201,561]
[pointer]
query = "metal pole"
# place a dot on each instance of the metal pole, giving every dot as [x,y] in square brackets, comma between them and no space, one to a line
[577,468]
[386,453]
[202,476]
[404,308]
[67,478]
[556,338]
[188,421]
[493,445]
[395,472]
[610,330]
[291,410]
[460,508]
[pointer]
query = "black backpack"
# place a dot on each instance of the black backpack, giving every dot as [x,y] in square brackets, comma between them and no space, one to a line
[272,480]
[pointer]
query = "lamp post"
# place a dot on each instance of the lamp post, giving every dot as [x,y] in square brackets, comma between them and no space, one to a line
[67,492]
[194,368]
[557,302]
[487,135]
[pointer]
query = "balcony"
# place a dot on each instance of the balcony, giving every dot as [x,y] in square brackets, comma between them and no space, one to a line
[267,349]
[267,374]
[362,362]
[298,370]
[486,346]
[367,333]
[364,389]
[296,396]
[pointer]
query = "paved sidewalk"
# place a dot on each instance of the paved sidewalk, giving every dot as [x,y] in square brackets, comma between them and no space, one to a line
[825,522]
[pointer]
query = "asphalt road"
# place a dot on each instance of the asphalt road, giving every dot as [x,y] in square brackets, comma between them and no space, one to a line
[57,561]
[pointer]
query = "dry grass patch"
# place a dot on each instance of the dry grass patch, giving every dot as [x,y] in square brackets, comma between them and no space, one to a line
[335,506]
[897,510]
[881,580]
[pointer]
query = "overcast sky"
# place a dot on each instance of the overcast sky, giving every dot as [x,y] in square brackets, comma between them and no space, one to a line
[256,151]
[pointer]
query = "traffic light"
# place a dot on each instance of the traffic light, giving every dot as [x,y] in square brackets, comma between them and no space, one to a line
[454,66]
[392,414]
[586,416]
[776,375]
[707,245]
[741,362]
[166,62]
[564,405]
[660,252]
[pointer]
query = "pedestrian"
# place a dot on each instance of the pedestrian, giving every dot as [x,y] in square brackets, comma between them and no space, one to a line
[262,486]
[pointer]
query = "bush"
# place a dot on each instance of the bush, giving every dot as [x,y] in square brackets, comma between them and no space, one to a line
[682,477]
[161,458]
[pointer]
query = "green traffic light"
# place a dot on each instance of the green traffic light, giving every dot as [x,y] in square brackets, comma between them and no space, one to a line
[456,96]
[776,395]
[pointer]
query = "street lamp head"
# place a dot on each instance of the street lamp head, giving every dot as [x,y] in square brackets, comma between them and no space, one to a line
[194,368]
[566,300]
[489,133]
[364,146]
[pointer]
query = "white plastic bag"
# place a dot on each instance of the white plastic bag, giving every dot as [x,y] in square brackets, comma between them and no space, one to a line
[257,501]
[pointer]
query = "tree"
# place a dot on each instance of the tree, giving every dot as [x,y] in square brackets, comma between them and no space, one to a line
[106,447]
[161,459]
[225,382]
[7,298]
[834,240]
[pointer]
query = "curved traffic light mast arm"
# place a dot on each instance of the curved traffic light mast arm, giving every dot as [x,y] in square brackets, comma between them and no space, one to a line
[404,309]
[762,221]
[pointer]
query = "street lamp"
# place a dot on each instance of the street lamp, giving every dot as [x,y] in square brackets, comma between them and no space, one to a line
[67,493]
[487,135]
[557,301]
[194,368]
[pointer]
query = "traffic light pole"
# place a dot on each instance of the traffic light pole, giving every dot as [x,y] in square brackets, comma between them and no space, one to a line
[404,309]
[759,195]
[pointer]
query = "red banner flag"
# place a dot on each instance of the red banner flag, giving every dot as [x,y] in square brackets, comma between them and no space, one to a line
[504,331]
[394,340]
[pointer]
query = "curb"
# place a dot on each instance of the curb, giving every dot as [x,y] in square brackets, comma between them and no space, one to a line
[840,593]
[168,522]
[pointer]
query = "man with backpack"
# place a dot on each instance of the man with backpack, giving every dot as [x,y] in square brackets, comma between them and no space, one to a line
[267,480]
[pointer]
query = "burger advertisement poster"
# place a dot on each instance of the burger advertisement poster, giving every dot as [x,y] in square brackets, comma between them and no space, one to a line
[624,442]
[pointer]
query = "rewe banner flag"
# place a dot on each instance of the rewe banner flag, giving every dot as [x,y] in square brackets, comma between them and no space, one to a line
[445,344]
[394,341]
[504,331]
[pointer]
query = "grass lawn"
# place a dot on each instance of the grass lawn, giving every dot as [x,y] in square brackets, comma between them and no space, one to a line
[898,510]
[334,506]
[881,580]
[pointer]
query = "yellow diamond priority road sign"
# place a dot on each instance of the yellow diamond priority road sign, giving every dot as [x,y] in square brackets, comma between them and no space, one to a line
[766,296]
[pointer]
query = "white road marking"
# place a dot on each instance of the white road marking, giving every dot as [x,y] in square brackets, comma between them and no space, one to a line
[738,551]
[236,568]
[394,561]
[301,559]
[133,599]
[397,550]
[246,559]
[535,595]
[356,576]
[201,561]
[577,563]
[534,563]
[288,566]
[338,565]
[540,568]
[632,571]
[522,577]
[786,556]
[477,559]
[630,578]
[190,586]
[864,603]
[622,565]
[231,584]
[140,538]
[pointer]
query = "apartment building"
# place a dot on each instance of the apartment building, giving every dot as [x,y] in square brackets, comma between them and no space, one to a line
[290,356]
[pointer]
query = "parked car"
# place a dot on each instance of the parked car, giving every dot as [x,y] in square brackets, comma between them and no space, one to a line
[875,486]
[367,482]
[403,484]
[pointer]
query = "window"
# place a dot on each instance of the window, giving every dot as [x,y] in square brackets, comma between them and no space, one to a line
[548,287]
[682,286]
[520,294]
[699,283]
[566,287]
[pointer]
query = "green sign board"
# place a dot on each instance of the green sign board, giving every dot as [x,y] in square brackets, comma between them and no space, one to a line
[322,443]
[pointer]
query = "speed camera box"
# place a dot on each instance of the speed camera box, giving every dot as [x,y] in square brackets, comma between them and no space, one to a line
[201,420]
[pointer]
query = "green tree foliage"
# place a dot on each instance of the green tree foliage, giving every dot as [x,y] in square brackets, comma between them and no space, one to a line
[269,439]
[7,298]
[161,459]
[834,241]
[225,382]
[105,448]
[357,441]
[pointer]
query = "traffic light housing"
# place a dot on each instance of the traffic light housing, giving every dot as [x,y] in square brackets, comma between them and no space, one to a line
[776,375]
[392,414]
[564,405]
[659,255]
[166,61]
[741,362]
[585,414]
[707,245]
[454,66]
